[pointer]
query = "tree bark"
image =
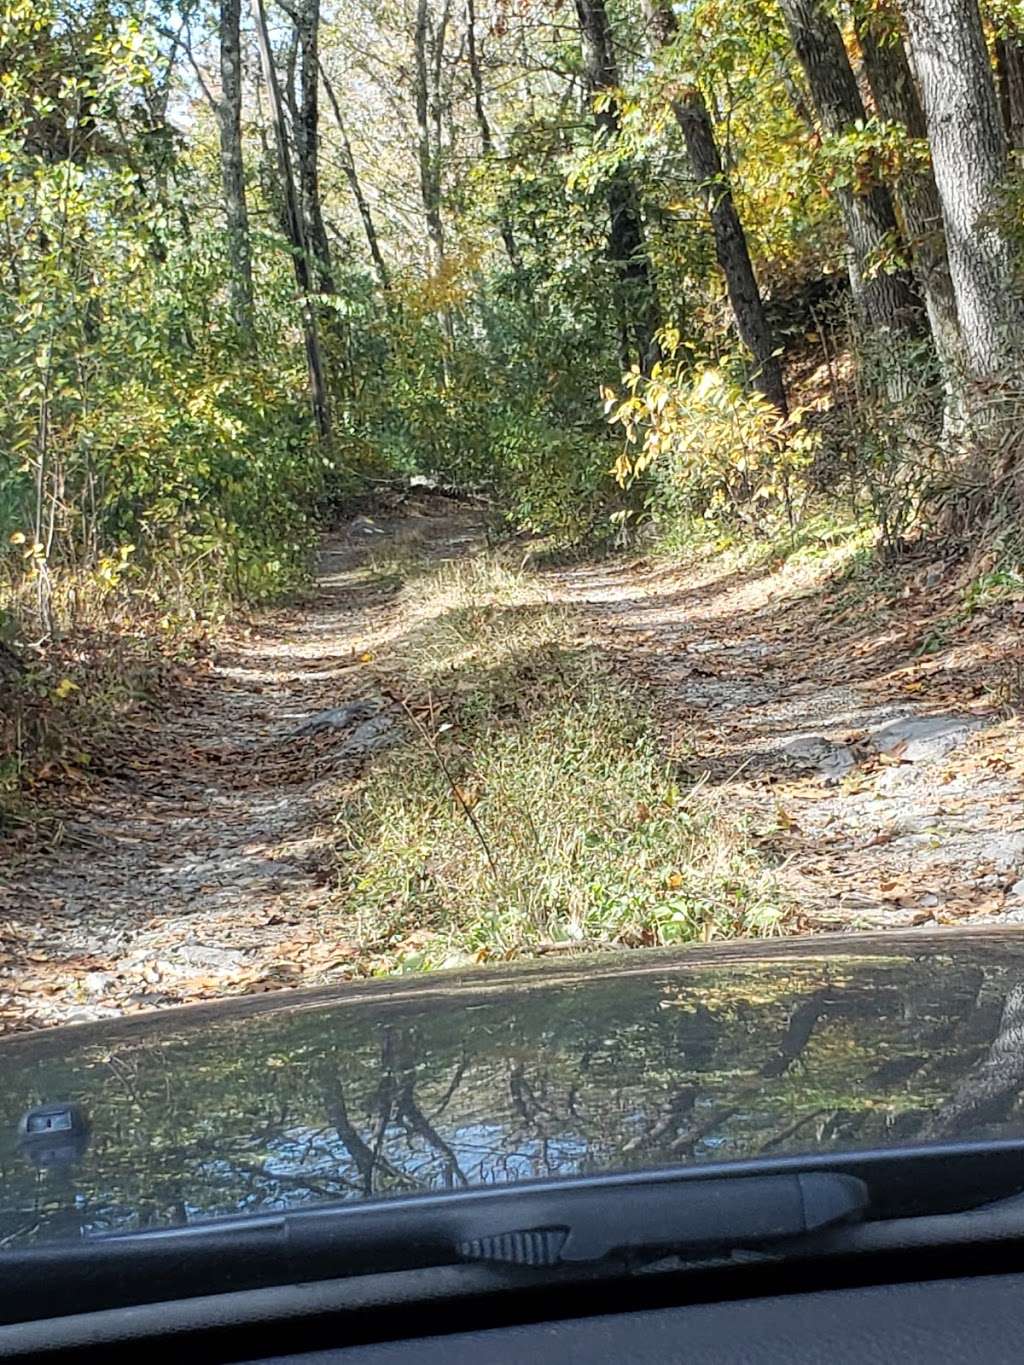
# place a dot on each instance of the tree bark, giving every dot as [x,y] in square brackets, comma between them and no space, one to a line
[296,236]
[307,142]
[894,91]
[1010,69]
[428,148]
[229,120]
[884,299]
[348,166]
[426,151]
[636,288]
[486,135]
[969,154]
[731,247]
[994,1084]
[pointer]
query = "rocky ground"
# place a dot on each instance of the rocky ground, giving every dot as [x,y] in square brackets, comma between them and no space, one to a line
[875,741]
[875,744]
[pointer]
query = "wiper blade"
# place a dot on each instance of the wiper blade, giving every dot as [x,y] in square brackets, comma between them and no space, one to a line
[562,1223]
[683,1217]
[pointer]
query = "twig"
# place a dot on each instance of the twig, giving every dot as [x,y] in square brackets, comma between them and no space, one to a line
[456,792]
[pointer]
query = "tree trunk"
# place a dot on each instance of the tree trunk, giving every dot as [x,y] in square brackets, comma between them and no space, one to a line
[1010,68]
[636,289]
[969,154]
[348,166]
[426,152]
[307,142]
[884,300]
[994,1085]
[229,120]
[295,233]
[895,95]
[486,135]
[731,247]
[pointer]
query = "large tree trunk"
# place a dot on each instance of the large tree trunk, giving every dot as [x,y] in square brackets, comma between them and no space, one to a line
[636,289]
[895,95]
[969,154]
[1010,66]
[348,166]
[294,229]
[730,239]
[307,142]
[884,299]
[229,119]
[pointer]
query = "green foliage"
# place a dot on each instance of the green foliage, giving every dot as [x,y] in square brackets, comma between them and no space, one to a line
[711,448]
[134,422]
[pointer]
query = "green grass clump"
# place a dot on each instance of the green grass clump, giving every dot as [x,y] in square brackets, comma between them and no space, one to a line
[532,804]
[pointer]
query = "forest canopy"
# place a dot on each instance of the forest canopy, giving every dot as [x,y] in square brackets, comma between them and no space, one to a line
[603,260]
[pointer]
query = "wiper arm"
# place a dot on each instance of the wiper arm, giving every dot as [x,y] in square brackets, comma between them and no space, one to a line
[684,1217]
[564,1223]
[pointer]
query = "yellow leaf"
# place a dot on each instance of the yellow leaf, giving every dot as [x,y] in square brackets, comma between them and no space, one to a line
[17,538]
[64,688]
[367,657]
[784,818]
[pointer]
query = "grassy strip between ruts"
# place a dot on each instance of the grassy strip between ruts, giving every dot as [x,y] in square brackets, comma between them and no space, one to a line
[532,804]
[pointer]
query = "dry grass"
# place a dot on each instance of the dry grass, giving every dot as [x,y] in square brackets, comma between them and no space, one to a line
[532,806]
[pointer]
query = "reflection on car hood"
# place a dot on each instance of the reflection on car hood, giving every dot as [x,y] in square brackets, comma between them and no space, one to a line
[611,1063]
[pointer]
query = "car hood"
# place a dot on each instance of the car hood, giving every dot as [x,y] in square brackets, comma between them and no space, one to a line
[553,1069]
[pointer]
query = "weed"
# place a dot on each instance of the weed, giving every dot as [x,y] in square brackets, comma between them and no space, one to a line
[532,804]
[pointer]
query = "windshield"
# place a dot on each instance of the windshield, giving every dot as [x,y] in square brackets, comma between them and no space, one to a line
[510,594]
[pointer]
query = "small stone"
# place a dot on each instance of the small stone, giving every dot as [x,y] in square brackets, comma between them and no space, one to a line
[1016,891]
[98,983]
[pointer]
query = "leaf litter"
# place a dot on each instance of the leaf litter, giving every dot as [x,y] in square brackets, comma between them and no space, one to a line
[199,865]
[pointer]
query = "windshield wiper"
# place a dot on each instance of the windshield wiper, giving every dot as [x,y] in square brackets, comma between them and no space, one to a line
[585,1227]
[565,1223]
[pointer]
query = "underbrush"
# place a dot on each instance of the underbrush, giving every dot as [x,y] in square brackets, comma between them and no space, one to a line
[83,648]
[110,651]
[532,806]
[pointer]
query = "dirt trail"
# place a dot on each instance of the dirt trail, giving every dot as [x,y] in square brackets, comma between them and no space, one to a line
[203,869]
[875,746]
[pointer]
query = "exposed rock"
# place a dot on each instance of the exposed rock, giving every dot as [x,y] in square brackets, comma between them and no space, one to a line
[376,733]
[1016,892]
[924,739]
[833,761]
[186,959]
[365,526]
[339,717]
